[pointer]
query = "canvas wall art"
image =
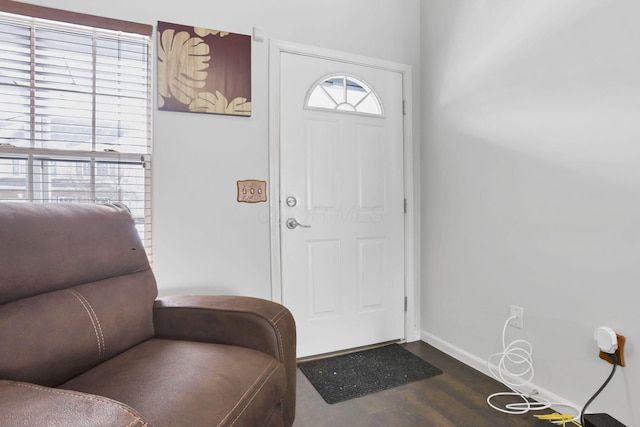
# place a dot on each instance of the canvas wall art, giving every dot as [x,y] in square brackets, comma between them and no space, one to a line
[203,71]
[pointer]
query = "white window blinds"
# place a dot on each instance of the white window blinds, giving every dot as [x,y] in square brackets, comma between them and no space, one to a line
[75,113]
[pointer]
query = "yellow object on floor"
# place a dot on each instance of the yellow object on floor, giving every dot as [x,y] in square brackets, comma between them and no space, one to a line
[559,419]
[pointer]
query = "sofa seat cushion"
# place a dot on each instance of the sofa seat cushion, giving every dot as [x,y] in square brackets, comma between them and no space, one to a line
[181,383]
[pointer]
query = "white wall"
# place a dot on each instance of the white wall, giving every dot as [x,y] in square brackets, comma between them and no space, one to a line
[204,241]
[531,186]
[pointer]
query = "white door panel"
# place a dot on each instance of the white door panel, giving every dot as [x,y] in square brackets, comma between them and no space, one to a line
[343,275]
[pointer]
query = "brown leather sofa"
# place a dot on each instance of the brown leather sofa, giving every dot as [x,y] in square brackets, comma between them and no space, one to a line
[84,342]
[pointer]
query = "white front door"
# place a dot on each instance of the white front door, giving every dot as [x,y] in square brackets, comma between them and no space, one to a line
[341,179]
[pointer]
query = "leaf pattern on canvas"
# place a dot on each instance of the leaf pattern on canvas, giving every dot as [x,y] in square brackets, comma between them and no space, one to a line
[217,103]
[182,64]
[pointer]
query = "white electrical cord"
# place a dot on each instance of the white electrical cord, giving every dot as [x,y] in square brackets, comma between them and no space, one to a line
[514,369]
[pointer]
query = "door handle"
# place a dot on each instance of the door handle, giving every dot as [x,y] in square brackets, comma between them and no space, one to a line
[292,223]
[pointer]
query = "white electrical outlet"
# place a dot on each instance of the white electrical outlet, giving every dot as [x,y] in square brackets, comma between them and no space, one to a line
[518,313]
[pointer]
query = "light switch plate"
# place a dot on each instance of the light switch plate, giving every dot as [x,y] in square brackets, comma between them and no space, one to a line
[252,191]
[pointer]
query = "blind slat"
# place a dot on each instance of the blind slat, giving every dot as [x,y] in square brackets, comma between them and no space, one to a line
[74,17]
[75,109]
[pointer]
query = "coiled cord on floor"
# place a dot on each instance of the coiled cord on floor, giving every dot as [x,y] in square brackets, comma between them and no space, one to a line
[514,369]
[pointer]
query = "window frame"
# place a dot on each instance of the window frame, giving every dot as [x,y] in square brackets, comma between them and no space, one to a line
[346,76]
[140,155]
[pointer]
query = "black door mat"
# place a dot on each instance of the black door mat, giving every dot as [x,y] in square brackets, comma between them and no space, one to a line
[347,376]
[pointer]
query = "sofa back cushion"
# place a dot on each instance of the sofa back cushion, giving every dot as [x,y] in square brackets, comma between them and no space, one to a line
[75,289]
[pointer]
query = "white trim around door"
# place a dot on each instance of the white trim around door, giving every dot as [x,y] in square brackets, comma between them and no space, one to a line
[412,196]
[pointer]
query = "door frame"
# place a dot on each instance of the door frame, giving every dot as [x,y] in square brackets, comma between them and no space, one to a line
[411,192]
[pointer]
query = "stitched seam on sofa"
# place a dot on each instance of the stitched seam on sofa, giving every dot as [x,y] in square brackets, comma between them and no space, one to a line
[277,329]
[95,316]
[138,422]
[94,321]
[254,395]
[82,396]
[282,353]
[97,329]
[264,377]
[279,315]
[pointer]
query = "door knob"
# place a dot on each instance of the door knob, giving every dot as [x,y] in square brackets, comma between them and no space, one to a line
[292,223]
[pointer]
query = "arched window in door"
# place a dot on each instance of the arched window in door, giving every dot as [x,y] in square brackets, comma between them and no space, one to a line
[344,93]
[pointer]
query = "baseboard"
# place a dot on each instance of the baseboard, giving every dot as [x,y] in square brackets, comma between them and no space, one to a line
[559,403]
[414,335]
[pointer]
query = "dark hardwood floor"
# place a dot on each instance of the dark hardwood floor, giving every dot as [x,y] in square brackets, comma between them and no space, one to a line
[457,398]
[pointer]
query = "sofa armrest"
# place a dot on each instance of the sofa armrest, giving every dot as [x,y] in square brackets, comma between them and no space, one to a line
[25,404]
[233,320]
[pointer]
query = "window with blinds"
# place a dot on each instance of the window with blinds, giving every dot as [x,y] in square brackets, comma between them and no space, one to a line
[75,112]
